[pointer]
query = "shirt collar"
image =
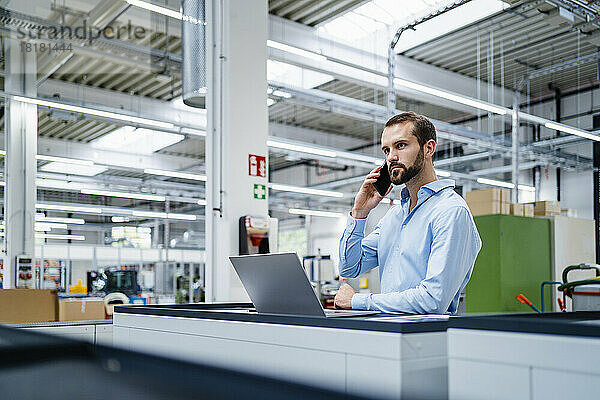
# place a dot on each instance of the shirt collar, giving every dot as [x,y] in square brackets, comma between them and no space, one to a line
[434,187]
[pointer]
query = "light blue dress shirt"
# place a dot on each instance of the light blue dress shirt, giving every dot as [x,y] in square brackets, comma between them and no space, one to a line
[425,256]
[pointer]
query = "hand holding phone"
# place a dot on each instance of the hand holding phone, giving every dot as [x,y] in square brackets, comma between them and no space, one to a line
[369,196]
[383,181]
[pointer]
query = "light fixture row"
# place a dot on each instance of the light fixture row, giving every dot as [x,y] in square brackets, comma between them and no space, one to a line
[97,113]
[99,210]
[507,185]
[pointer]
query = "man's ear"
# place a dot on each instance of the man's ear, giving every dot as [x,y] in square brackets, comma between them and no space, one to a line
[430,148]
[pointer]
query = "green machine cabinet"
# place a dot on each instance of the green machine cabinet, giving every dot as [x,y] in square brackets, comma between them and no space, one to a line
[515,258]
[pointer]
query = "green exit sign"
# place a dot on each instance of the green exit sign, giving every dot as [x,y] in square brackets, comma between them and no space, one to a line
[260,191]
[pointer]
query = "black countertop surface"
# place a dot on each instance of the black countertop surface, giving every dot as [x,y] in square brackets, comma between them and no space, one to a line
[399,323]
[583,323]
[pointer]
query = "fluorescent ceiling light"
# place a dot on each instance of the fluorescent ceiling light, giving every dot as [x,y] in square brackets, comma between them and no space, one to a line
[138,140]
[140,196]
[571,130]
[98,113]
[157,9]
[270,102]
[452,96]
[155,214]
[57,207]
[45,226]
[441,172]
[64,160]
[316,213]
[299,189]
[42,218]
[292,75]
[185,217]
[360,157]
[61,237]
[503,184]
[62,168]
[296,50]
[301,149]
[527,188]
[202,202]
[41,228]
[150,214]
[119,219]
[281,93]
[58,184]
[175,174]
[494,182]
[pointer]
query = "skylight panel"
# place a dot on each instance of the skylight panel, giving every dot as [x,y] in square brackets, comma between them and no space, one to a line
[369,26]
[377,12]
[351,26]
[450,21]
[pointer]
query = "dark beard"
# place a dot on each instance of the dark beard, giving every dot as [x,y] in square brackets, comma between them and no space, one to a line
[410,172]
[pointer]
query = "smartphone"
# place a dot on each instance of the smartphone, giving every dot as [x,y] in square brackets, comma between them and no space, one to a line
[384,181]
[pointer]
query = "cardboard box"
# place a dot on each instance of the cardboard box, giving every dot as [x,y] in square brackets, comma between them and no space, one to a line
[28,305]
[528,210]
[81,309]
[487,208]
[546,208]
[517,209]
[569,212]
[488,195]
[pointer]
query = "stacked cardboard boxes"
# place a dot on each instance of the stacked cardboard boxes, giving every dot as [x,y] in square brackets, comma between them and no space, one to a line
[546,208]
[488,201]
[517,209]
[521,209]
[569,212]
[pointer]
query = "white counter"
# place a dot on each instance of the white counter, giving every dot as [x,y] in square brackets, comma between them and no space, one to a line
[375,359]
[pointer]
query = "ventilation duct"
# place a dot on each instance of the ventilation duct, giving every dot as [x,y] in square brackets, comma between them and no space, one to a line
[193,33]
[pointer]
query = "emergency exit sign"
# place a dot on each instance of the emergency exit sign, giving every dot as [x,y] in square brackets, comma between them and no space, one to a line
[260,191]
[257,165]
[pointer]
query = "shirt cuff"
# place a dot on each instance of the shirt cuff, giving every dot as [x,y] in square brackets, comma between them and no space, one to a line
[354,224]
[360,301]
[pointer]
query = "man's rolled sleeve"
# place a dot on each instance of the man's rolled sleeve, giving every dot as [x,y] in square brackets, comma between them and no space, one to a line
[360,301]
[357,253]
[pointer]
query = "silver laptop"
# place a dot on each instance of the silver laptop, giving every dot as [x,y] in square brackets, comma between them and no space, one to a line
[277,284]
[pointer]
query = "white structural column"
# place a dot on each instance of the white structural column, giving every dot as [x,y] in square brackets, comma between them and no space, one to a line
[237,127]
[20,142]
[515,147]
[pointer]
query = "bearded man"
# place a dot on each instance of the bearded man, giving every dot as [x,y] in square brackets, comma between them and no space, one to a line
[426,246]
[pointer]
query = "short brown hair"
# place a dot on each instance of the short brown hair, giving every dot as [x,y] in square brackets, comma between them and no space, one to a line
[423,129]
